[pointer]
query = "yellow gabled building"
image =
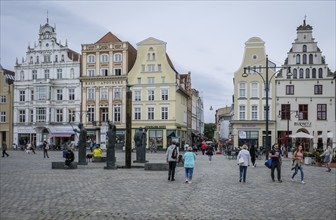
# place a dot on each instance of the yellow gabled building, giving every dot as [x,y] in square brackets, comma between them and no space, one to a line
[159,95]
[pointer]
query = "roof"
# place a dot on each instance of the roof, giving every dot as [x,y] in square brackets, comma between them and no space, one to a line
[108,38]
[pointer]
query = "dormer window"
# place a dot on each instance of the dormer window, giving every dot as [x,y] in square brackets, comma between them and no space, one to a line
[304,48]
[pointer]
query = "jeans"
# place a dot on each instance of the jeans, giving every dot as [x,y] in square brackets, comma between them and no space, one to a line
[171,172]
[296,171]
[210,157]
[242,173]
[276,165]
[189,172]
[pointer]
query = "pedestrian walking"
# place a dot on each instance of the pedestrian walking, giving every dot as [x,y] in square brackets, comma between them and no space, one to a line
[253,154]
[172,156]
[275,154]
[45,146]
[243,160]
[298,162]
[210,152]
[327,157]
[4,149]
[203,148]
[189,163]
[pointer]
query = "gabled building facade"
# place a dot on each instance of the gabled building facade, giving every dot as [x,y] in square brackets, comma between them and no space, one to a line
[7,78]
[197,116]
[248,122]
[309,94]
[105,66]
[160,96]
[46,91]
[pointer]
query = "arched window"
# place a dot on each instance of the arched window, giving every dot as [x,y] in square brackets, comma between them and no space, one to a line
[31,59]
[104,58]
[314,73]
[304,59]
[294,74]
[307,73]
[62,57]
[304,48]
[153,56]
[37,59]
[320,73]
[311,59]
[301,74]
[91,59]
[117,57]
[298,59]
[148,56]
[21,75]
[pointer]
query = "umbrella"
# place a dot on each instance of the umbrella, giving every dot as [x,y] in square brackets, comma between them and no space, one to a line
[315,140]
[301,135]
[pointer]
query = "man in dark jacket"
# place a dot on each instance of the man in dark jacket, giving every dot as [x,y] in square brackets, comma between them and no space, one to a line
[275,154]
[4,148]
[69,158]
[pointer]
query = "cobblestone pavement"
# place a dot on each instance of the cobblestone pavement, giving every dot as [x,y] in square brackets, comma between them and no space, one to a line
[30,189]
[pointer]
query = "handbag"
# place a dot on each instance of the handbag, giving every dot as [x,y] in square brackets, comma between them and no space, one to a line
[268,163]
[241,160]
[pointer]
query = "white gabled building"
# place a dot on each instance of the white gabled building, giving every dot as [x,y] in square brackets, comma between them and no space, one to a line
[309,94]
[46,91]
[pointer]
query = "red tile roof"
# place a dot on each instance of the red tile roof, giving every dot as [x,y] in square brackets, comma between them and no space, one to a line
[108,38]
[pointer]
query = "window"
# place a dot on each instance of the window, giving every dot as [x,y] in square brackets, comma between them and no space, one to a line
[22,116]
[47,58]
[91,93]
[59,115]
[137,95]
[117,72]
[298,59]
[163,79]
[314,73]
[41,92]
[164,113]
[31,115]
[56,58]
[304,59]
[71,94]
[294,74]
[34,74]
[150,80]
[71,115]
[21,75]
[254,112]
[46,74]
[153,56]
[104,58]
[159,68]
[104,114]
[242,112]
[260,69]
[320,73]
[41,114]
[62,58]
[3,99]
[307,73]
[103,94]
[59,94]
[164,94]
[139,80]
[318,89]
[321,111]
[303,112]
[137,113]
[285,112]
[117,93]
[289,89]
[31,60]
[304,48]
[104,72]
[91,73]
[150,111]
[22,96]
[31,95]
[91,59]
[301,73]
[2,117]
[151,67]
[117,113]
[37,59]
[72,73]
[148,56]
[242,90]
[311,59]
[254,87]
[117,57]
[59,73]
[90,113]
[142,68]
[150,95]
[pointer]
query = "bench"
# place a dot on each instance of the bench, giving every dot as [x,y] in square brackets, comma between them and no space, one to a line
[98,159]
[156,166]
[61,165]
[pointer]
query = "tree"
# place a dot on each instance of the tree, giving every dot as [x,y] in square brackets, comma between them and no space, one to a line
[209,130]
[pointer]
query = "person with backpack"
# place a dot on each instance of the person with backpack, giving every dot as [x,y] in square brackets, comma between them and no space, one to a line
[172,156]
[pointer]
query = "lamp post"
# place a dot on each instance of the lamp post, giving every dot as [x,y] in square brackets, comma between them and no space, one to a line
[287,113]
[267,81]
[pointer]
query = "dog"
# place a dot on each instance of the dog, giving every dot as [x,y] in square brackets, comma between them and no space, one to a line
[89,157]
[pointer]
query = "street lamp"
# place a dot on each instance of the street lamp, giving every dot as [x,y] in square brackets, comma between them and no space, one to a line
[267,83]
[286,115]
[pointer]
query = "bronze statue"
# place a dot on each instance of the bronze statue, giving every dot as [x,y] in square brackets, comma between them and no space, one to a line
[111,141]
[81,144]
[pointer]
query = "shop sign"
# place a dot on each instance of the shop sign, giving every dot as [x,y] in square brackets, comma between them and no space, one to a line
[155,127]
[303,124]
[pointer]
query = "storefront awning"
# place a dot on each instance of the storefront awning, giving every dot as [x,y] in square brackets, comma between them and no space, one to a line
[61,131]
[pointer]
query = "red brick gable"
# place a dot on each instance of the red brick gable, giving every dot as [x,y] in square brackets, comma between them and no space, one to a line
[108,38]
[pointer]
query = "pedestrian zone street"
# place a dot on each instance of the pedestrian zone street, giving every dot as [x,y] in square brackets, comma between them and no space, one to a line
[30,189]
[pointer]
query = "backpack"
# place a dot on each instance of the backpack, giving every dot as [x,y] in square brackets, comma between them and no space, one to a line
[174,154]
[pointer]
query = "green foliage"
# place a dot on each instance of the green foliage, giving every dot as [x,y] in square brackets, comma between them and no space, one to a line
[209,130]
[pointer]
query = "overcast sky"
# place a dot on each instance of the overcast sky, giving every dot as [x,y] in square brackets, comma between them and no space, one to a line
[206,38]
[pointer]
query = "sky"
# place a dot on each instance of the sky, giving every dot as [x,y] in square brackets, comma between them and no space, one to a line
[206,38]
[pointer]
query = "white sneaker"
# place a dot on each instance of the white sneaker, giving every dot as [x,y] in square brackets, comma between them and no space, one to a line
[186,180]
[189,182]
[292,179]
[302,182]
